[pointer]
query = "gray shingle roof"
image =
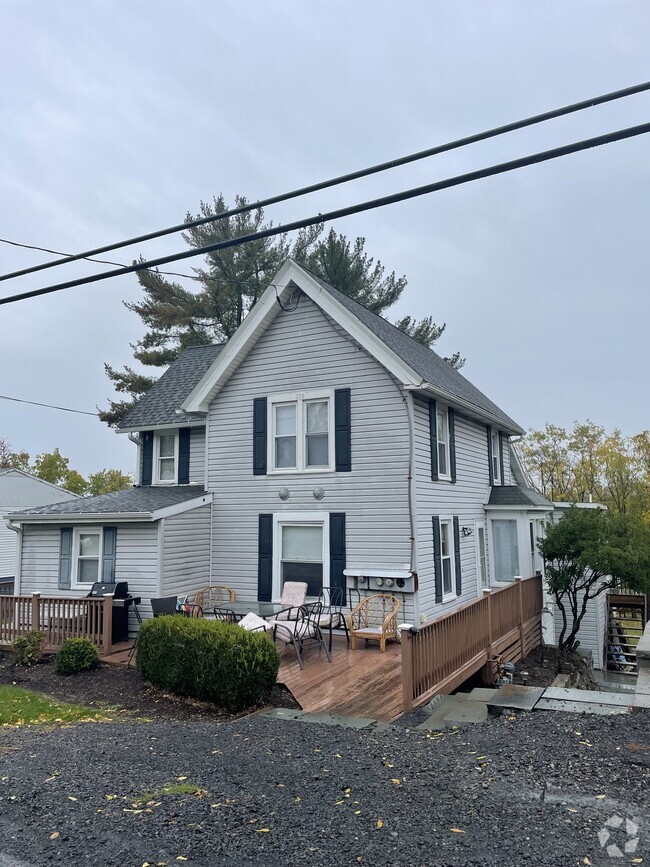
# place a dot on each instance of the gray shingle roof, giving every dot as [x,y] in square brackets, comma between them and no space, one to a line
[426,363]
[159,404]
[135,500]
[513,495]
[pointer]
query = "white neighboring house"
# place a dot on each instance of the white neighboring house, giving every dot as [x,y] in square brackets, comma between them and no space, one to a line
[20,490]
[319,444]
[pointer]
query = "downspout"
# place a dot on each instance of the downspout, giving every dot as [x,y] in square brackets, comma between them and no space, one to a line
[19,553]
[410,412]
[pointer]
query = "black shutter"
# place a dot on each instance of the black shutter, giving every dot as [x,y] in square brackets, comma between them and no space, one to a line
[184,456]
[337,557]
[489,445]
[433,436]
[343,430]
[459,580]
[265,558]
[108,555]
[503,479]
[259,437]
[437,559]
[146,468]
[65,558]
[452,445]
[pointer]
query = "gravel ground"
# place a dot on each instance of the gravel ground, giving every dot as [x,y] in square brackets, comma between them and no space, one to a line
[532,789]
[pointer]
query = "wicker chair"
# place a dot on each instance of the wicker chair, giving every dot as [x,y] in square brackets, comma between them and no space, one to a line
[213,597]
[374,619]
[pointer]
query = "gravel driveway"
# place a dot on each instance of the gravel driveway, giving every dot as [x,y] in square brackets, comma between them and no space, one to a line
[534,789]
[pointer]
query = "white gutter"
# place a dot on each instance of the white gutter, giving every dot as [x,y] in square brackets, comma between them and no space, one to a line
[111,517]
[471,408]
[172,426]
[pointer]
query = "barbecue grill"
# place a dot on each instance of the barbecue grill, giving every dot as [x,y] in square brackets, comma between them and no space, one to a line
[122,601]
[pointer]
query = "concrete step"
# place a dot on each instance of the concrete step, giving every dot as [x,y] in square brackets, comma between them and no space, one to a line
[587,696]
[643,682]
[513,697]
[581,706]
[466,713]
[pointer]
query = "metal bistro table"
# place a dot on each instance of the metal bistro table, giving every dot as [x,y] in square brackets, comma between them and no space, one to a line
[240,609]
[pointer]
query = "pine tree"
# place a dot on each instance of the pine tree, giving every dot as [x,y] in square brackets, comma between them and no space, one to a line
[230,283]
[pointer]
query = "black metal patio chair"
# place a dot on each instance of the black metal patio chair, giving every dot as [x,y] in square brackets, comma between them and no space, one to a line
[305,628]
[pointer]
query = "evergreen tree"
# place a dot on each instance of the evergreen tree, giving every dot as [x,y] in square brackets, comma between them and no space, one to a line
[230,283]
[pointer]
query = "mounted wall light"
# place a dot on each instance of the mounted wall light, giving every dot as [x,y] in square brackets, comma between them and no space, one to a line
[467,531]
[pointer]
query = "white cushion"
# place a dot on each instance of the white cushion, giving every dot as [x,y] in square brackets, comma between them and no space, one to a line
[375,630]
[253,621]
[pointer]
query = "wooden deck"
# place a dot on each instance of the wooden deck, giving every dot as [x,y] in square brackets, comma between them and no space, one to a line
[360,683]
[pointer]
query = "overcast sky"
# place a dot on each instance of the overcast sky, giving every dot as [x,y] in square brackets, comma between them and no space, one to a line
[117,118]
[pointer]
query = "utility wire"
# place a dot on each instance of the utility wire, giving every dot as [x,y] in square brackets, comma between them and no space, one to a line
[344,179]
[48,405]
[436,186]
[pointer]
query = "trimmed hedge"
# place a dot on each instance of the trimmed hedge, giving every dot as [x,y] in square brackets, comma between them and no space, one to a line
[28,648]
[210,660]
[75,655]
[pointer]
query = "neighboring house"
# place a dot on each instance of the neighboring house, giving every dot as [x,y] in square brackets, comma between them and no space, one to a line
[20,490]
[319,444]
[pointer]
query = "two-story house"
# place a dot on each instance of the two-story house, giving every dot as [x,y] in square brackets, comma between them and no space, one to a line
[319,444]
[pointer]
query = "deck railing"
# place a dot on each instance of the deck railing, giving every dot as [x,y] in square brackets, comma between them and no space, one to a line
[58,618]
[439,656]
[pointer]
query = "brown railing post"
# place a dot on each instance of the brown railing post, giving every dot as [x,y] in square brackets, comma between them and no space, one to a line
[490,666]
[407,670]
[107,624]
[521,616]
[36,614]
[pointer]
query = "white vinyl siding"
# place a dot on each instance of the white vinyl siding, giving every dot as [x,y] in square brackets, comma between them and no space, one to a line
[302,351]
[8,551]
[186,552]
[197,456]
[465,498]
[592,627]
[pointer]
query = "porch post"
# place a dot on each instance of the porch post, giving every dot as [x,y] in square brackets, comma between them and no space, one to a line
[107,624]
[521,615]
[490,672]
[36,612]
[407,670]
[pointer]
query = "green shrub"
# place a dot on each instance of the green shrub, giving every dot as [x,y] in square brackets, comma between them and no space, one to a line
[210,660]
[75,655]
[28,648]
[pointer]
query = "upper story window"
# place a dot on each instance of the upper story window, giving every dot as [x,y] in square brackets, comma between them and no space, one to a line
[496,457]
[447,558]
[301,432]
[166,458]
[442,433]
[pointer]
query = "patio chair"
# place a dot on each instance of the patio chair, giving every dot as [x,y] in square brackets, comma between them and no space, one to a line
[164,605]
[213,596]
[374,619]
[294,594]
[332,615]
[305,628]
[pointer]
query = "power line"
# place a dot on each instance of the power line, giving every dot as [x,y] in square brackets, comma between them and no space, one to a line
[48,405]
[436,186]
[344,179]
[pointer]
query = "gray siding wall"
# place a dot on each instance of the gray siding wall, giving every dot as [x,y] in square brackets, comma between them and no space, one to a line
[197,456]
[465,499]
[136,561]
[186,552]
[592,629]
[8,551]
[304,350]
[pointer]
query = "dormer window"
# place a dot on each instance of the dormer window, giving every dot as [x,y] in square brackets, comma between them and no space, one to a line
[166,458]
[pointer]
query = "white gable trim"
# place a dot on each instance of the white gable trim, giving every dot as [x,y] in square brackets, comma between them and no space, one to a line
[261,316]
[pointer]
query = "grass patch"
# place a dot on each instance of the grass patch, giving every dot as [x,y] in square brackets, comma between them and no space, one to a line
[21,707]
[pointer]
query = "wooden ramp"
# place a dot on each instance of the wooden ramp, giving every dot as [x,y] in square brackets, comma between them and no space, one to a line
[358,683]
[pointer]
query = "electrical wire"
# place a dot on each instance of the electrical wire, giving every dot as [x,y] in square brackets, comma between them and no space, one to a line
[344,179]
[436,186]
[48,405]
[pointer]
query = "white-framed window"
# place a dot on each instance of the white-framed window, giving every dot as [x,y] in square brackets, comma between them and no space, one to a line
[447,558]
[481,557]
[536,532]
[442,437]
[302,432]
[496,458]
[301,551]
[86,556]
[505,549]
[166,458]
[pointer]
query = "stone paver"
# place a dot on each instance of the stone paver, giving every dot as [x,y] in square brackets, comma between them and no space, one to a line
[512,697]
[589,696]
[580,707]
[466,713]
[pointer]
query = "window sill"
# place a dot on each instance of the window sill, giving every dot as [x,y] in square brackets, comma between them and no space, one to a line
[310,472]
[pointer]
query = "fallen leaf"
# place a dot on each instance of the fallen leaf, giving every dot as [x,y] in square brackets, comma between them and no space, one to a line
[262,830]
[297,799]
[70,798]
[356,812]
[380,824]
[54,836]
[397,782]
[181,778]
[600,797]
[457,830]
[586,860]
[480,758]
[131,811]
[571,810]
[636,861]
